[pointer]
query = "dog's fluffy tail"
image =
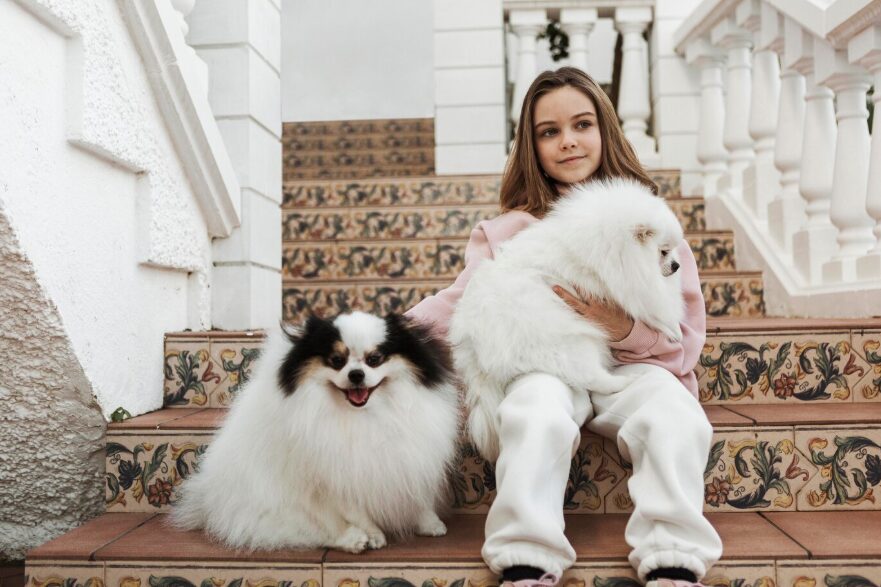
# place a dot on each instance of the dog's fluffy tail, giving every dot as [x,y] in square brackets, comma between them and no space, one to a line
[482,400]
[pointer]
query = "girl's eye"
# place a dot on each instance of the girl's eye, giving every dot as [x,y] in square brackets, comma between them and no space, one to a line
[584,124]
[374,359]
[548,132]
[337,362]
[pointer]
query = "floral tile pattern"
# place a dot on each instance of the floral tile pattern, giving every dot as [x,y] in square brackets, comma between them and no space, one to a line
[63,574]
[713,251]
[849,464]
[216,574]
[740,296]
[763,368]
[828,573]
[449,191]
[669,182]
[207,372]
[144,471]
[690,212]
[867,345]
[404,575]
[300,300]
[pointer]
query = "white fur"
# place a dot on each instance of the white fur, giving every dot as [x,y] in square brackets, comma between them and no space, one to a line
[510,322]
[311,470]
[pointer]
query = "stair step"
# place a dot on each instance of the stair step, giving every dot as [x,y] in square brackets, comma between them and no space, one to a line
[128,550]
[437,221]
[764,458]
[725,293]
[421,258]
[418,191]
[744,361]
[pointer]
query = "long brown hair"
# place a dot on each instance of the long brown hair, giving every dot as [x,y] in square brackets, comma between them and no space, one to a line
[524,184]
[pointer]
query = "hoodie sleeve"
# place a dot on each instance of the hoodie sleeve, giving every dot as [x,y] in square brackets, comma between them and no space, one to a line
[644,345]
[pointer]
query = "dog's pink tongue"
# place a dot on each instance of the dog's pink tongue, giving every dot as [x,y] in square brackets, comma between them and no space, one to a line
[358,395]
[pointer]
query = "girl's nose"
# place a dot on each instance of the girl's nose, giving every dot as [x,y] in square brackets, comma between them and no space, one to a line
[568,140]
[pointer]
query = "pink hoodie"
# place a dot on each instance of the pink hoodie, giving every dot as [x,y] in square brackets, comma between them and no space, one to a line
[642,345]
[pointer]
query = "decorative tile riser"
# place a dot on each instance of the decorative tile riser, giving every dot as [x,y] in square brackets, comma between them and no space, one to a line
[378,142]
[734,368]
[428,222]
[419,259]
[166,574]
[734,296]
[420,158]
[768,469]
[356,128]
[447,190]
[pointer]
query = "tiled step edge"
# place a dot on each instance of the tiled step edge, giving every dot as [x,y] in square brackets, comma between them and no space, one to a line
[763,458]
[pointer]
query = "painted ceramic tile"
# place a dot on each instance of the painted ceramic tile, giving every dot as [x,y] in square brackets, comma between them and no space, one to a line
[236,358]
[849,464]
[867,346]
[733,296]
[713,251]
[144,471]
[690,213]
[741,574]
[668,180]
[189,373]
[828,574]
[385,299]
[213,574]
[63,574]
[778,367]
[300,300]
[600,575]
[308,261]
[397,575]
[306,225]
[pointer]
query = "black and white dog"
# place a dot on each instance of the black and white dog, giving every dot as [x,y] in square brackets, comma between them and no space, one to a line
[346,433]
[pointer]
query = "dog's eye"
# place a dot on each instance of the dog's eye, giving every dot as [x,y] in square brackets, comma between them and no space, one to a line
[374,359]
[337,361]
[665,253]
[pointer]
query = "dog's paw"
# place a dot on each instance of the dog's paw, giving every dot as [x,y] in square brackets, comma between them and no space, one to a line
[376,539]
[353,540]
[431,525]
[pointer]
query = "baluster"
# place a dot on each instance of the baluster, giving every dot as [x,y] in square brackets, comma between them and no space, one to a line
[578,23]
[711,152]
[526,24]
[634,107]
[199,68]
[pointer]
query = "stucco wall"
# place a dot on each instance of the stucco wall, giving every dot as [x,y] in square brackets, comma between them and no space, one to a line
[51,430]
[349,59]
[96,192]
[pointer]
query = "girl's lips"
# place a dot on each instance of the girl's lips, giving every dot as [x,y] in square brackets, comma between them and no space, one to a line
[571,159]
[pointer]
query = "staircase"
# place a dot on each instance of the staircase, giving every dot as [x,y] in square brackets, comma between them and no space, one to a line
[796,407]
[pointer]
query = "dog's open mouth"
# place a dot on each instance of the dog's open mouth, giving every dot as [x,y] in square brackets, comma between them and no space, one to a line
[358,396]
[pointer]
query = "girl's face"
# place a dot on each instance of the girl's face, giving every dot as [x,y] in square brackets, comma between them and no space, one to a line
[567,135]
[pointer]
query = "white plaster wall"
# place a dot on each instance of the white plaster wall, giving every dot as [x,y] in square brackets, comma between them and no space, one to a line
[350,59]
[92,185]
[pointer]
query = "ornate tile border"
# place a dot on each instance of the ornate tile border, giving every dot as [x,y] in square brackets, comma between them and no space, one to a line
[736,296]
[48,573]
[211,574]
[405,192]
[669,182]
[408,575]
[690,212]
[713,250]
[828,573]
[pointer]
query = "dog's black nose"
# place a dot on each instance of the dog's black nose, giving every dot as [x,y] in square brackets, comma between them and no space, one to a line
[674,266]
[356,376]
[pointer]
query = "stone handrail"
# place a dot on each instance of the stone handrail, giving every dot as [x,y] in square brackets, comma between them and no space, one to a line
[786,147]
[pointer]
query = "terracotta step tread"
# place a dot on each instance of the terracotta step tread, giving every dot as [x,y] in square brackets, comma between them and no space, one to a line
[795,414]
[146,537]
[856,533]
[714,325]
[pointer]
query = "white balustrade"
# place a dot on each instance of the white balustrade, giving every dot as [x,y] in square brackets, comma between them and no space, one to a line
[865,49]
[634,107]
[578,23]
[711,151]
[736,138]
[526,25]
[761,179]
[198,67]
[848,207]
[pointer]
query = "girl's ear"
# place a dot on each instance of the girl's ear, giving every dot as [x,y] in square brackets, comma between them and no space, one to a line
[642,233]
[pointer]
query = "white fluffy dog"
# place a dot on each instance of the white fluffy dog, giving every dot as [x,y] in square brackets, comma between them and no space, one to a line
[613,240]
[346,433]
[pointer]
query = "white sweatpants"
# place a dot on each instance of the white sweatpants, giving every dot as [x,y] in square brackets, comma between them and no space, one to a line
[659,427]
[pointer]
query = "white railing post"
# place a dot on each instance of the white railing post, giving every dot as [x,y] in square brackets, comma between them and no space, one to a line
[526,24]
[634,106]
[761,179]
[183,8]
[711,151]
[815,242]
[865,49]
[786,214]
[850,178]
[737,42]
[578,23]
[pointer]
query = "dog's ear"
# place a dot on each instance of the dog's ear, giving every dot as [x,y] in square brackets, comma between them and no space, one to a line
[642,233]
[292,331]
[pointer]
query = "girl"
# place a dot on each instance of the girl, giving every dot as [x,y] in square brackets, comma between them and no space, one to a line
[569,133]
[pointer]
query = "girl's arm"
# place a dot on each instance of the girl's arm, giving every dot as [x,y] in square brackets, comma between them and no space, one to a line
[437,310]
[644,345]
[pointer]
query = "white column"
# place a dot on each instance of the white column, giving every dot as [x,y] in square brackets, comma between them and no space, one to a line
[710,151]
[786,214]
[761,179]
[736,42]
[526,24]
[865,49]
[578,24]
[815,242]
[183,9]
[634,106]
[850,178]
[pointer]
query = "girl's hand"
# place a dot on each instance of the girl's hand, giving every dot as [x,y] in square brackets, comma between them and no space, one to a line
[609,316]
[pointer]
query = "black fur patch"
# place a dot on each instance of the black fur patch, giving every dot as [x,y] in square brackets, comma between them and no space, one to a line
[315,341]
[414,342]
